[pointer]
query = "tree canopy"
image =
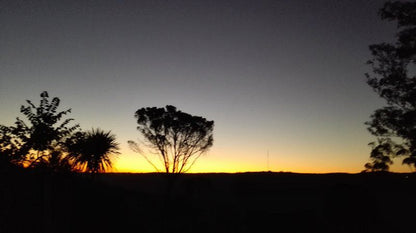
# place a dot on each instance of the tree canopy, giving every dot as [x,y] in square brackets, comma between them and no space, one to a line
[177,138]
[393,79]
[38,140]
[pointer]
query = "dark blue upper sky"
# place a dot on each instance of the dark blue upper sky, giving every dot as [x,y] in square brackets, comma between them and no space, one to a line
[282,76]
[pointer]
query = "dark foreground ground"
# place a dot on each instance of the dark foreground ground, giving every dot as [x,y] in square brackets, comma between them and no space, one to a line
[247,202]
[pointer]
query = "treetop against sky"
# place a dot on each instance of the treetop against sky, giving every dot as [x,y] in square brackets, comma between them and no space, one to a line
[280,76]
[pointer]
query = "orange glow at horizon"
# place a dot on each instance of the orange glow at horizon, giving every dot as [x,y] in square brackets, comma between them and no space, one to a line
[210,163]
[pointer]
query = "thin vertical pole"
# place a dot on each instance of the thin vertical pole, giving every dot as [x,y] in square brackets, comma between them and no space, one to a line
[268,161]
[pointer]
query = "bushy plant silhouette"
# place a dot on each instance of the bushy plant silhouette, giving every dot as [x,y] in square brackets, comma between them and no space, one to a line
[46,141]
[38,140]
[92,150]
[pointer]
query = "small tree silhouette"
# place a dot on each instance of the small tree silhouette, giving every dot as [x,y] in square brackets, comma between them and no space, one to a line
[92,150]
[37,142]
[178,138]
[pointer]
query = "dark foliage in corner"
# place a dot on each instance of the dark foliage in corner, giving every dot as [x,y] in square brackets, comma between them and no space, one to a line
[393,79]
[46,141]
[38,141]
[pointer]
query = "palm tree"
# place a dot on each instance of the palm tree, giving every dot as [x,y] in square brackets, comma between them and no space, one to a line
[92,150]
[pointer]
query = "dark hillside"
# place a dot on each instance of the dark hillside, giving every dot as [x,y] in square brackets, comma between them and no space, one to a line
[245,202]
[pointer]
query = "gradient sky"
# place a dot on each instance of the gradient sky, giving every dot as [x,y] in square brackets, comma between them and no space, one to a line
[285,77]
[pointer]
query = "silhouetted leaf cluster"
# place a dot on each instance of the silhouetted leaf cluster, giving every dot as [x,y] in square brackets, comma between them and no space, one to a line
[395,124]
[37,142]
[91,150]
[47,141]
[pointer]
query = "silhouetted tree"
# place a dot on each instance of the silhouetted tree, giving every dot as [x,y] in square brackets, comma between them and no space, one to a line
[92,150]
[178,138]
[39,140]
[394,80]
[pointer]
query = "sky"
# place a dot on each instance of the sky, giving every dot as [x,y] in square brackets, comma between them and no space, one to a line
[280,79]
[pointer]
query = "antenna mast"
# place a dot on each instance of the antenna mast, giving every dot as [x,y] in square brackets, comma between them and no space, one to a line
[268,161]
